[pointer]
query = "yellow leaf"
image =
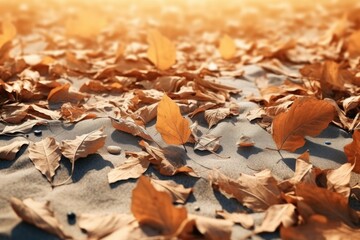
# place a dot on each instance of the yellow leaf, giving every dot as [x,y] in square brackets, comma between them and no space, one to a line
[227,47]
[161,52]
[8,32]
[174,129]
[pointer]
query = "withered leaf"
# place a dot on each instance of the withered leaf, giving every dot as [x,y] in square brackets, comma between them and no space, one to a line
[257,192]
[204,142]
[213,116]
[245,141]
[46,156]
[8,32]
[62,94]
[9,152]
[227,47]
[352,151]
[244,219]
[172,126]
[338,180]
[38,214]
[178,192]
[161,52]
[128,125]
[25,127]
[276,215]
[153,208]
[136,164]
[306,117]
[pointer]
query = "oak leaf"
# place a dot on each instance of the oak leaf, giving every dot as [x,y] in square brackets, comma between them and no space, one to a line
[46,156]
[352,151]
[172,126]
[306,117]
[128,125]
[161,52]
[38,214]
[136,164]
[227,47]
[9,151]
[153,208]
[8,32]
[257,192]
[178,192]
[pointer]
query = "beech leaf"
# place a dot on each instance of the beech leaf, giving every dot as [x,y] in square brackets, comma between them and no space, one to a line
[38,214]
[172,126]
[306,117]
[161,52]
[9,152]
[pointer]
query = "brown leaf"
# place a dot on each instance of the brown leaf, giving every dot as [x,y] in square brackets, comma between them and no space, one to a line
[277,215]
[172,126]
[330,204]
[161,52]
[353,45]
[153,208]
[46,156]
[62,94]
[213,116]
[178,192]
[352,151]
[319,227]
[257,192]
[73,113]
[22,128]
[227,47]
[164,164]
[39,215]
[306,117]
[136,164]
[204,142]
[9,151]
[8,32]
[245,141]
[244,219]
[128,125]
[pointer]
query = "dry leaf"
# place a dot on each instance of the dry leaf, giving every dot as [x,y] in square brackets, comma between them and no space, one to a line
[213,116]
[73,113]
[277,215]
[8,32]
[153,208]
[245,141]
[244,219]
[39,215]
[257,192]
[227,47]
[62,94]
[161,52]
[9,151]
[46,156]
[319,227]
[352,151]
[136,164]
[172,126]
[330,204]
[22,128]
[128,125]
[306,117]
[178,192]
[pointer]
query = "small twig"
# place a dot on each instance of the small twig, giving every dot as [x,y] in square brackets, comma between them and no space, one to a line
[184,148]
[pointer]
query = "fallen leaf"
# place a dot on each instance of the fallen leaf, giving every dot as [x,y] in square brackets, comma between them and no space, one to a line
[202,141]
[136,164]
[244,219]
[352,151]
[178,192]
[46,156]
[319,227]
[277,215]
[161,52]
[9,151]
[330,204]
[62,94]
[353,45]
[82,146]
[213,116]
[8,32]
[73,113]
[245,141]
[306,117]
[257,192]
[227,47]
[153,208]
[128,125]
[172,126]
[25,127]
[38,214]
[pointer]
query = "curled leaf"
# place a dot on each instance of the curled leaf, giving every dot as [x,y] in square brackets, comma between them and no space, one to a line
[128,125]
[9,152]
[178,192]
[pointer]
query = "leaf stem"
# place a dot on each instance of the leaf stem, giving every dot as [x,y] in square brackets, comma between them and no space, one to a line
[184,147]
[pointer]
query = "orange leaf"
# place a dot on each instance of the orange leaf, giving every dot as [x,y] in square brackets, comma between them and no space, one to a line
[174,129]
[161,52]
[352,151]
[8,32]
[62,94]
[306,117]
[227,47]
[153,208]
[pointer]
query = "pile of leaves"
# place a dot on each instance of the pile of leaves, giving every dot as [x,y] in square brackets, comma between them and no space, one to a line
[133,66]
